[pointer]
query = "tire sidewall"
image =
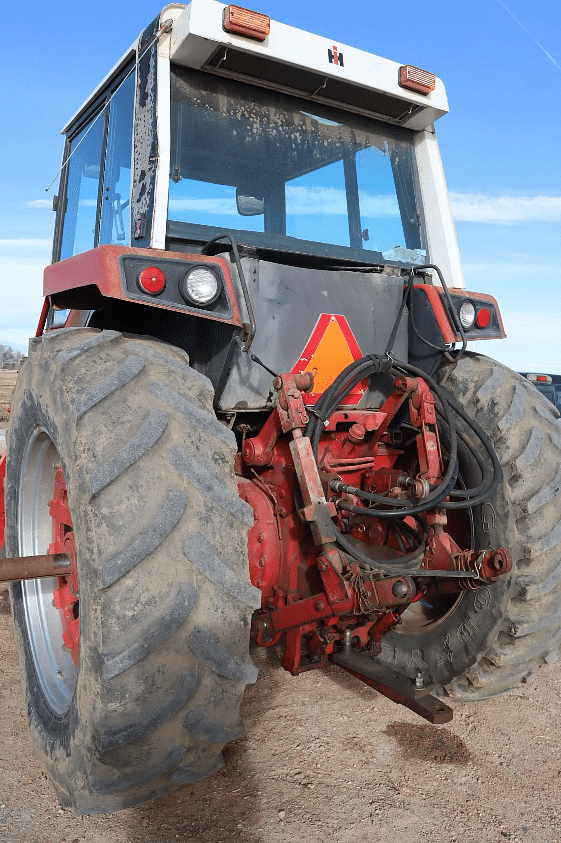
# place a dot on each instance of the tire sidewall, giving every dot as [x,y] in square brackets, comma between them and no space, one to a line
[60,737]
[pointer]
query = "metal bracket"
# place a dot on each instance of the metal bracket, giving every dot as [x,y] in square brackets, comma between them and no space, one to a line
[401,689]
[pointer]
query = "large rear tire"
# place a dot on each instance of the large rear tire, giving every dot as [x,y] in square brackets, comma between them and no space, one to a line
[487,641]
[134,667]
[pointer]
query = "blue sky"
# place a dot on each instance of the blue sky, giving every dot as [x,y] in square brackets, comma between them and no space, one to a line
[501,142]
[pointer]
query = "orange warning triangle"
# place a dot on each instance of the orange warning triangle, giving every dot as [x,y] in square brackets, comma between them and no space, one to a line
[330,349]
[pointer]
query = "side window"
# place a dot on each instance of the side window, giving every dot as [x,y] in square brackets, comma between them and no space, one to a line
[99,176]
[115,210]
[82,190]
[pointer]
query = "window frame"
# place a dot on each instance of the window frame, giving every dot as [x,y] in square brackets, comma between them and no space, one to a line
[99,109]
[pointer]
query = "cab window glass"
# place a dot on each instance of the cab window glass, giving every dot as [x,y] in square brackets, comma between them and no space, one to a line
[82,190]
[115,209]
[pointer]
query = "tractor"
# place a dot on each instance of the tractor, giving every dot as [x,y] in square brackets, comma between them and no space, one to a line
[249,416]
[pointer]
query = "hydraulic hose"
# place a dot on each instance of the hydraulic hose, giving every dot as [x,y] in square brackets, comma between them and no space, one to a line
[396,510]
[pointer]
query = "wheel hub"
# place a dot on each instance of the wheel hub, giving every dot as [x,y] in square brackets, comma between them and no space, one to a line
[65,595]
[50,605]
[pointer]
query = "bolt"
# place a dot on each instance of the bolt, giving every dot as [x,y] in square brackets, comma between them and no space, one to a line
[400,589]
[347,640]
[319,605]
[357,433]
[419,681]
[261,538]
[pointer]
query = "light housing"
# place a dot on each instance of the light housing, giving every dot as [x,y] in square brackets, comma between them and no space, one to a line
[200,286]
[539,378]
[415,79]
[467,314]
[245,22]
[151,280]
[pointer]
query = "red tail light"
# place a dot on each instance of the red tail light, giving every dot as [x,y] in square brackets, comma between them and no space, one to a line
[152,280]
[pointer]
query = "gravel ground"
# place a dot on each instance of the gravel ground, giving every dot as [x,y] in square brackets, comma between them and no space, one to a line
[324,759]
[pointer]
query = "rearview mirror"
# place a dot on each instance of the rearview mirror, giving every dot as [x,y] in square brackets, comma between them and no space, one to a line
[249,206]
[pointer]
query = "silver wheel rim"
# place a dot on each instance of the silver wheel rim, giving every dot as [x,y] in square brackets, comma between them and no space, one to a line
[53,663]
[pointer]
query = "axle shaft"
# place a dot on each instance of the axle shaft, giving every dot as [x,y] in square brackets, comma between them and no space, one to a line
[17,568]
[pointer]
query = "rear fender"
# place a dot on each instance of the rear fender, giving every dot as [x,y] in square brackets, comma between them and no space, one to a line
[430,301]
[85,281]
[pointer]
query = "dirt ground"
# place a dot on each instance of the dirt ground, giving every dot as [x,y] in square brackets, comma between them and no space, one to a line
[7,383]
[324,760]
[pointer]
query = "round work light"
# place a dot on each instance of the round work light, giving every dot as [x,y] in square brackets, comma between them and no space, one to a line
[200,286]
[467,315]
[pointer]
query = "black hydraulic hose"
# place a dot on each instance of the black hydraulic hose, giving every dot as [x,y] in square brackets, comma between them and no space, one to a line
[449,306]
[384,567]
[497,469]
[472,496]
[399,537]
[435,497]
[252,326]
[411,536]
[327,404]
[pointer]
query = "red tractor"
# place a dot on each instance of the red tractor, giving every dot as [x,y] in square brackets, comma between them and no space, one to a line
[249,413]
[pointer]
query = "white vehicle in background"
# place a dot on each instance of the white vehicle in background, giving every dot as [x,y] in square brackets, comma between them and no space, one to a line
[548,385]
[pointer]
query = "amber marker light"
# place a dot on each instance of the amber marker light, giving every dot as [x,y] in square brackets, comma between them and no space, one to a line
[245,22]
[416,79]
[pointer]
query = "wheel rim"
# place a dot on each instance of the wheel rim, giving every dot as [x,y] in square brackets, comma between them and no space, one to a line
[50,605]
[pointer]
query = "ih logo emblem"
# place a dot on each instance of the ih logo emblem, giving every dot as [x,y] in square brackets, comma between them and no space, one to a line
[335,57]
[330,349]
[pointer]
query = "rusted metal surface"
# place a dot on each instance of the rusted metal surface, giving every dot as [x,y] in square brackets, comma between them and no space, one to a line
[396,687]
[16,568]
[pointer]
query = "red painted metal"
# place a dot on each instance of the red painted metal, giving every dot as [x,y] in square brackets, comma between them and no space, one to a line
[65,595]
[100,268]
[43,318]
[434,295]
[312,593]
[423,415]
